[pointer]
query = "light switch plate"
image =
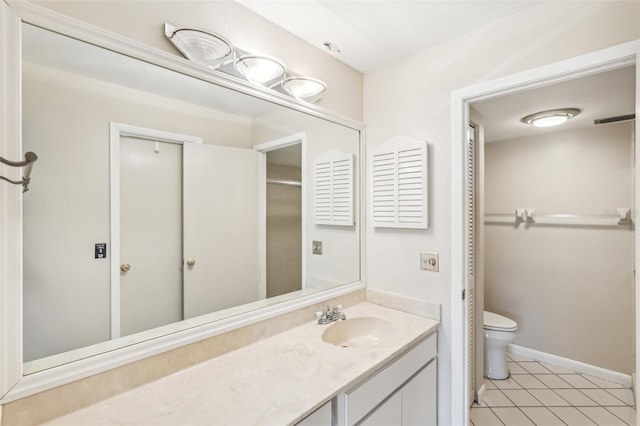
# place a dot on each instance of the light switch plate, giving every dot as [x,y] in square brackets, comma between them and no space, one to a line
[429,261]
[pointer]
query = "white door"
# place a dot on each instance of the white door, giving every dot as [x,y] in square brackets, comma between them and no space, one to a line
[150,234]
[220,228]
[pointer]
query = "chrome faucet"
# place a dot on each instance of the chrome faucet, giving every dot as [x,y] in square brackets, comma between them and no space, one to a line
[330,315]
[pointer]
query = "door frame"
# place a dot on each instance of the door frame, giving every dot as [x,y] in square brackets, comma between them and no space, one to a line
[116,132]
[263,149]
[588,64]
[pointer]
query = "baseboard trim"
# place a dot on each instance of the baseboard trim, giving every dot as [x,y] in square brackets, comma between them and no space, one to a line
[577,366]
[481,394]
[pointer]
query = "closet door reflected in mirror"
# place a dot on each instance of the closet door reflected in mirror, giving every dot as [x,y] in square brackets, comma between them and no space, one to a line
[150,263]
[188,239]
[220,228]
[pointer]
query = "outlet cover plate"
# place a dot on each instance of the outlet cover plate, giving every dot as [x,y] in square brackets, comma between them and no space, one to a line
[317,247]
[429,261]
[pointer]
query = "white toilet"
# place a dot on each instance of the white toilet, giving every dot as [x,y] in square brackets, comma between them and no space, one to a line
[499,331]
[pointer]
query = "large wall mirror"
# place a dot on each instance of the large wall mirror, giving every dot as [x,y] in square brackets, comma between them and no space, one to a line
[161,201]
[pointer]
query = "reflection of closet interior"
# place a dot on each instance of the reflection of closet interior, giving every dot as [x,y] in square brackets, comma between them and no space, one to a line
[284,220]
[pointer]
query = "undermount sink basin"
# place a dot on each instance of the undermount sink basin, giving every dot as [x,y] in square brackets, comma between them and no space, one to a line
[357,332]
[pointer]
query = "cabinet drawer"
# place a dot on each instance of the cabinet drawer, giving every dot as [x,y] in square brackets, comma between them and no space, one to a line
[320,417]
[368,395]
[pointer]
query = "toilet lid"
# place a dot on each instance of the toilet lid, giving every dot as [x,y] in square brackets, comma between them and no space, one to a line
[498,322]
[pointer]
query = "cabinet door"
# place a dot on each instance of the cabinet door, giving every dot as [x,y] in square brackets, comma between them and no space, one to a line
[320,417]
[387,414]
[419,398]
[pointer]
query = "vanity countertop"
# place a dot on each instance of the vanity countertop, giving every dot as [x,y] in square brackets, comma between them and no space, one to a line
[275,381]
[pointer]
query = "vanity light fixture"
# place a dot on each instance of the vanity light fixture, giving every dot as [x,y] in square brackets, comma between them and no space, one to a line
[200,46]
[304,88]
[214,51]
[552,117]
[260,69]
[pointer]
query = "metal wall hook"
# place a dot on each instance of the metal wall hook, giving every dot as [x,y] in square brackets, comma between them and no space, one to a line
[29,159]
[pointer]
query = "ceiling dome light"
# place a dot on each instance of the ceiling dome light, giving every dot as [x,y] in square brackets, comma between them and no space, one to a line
[552,117]
[260,69]
[199,46]
[303,87]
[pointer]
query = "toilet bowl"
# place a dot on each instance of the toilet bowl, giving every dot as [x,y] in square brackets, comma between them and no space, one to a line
[499,331]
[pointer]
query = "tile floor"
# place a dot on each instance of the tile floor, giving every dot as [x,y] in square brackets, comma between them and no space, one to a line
[542,394]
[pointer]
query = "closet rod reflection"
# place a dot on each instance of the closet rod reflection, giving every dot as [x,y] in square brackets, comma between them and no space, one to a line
[285,182]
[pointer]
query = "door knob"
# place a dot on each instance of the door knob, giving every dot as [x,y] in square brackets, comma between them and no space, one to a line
[191,262]
[125,267]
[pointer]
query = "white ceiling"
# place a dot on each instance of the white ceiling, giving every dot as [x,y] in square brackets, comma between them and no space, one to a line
[373,33]
[601,95]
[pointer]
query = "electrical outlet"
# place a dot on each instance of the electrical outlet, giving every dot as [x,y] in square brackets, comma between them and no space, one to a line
[429,261]
[317,247]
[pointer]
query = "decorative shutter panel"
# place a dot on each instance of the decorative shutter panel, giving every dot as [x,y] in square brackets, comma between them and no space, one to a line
[333,189]
[399,191]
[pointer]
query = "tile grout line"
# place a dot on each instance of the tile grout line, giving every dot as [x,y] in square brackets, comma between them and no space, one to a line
[615,415]
[624,404]
[497,416]
[530,419]
[571,387]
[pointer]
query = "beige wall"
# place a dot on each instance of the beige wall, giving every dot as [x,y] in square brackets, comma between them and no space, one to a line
[66,299]
[144,21]
[569,288]
[413,98]
[284,231]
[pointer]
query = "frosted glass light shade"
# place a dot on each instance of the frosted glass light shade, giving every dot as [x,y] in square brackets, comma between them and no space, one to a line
[552,117]
[260,69]
[303,87]
[550,121]
[202,47]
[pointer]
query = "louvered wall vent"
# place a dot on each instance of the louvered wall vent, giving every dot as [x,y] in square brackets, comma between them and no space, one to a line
[333,189]
[398,179]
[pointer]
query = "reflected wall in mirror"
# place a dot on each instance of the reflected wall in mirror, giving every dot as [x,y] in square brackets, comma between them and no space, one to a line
[164,169]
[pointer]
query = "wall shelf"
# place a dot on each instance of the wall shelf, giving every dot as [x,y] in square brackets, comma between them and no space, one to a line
[529,216]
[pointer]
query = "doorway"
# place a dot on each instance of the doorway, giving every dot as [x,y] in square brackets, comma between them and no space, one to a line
[564,271]
[282,215]
[462,99]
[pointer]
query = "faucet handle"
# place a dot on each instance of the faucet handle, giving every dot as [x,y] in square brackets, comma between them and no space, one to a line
[337,309]
[319,314]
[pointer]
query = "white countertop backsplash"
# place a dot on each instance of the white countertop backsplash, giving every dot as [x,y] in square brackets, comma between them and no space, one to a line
[275,381]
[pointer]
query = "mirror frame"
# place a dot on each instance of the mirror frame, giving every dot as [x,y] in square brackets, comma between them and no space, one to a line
[13,383]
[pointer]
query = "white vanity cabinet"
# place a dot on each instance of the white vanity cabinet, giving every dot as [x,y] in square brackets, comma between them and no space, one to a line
[402,393]
[320,417]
